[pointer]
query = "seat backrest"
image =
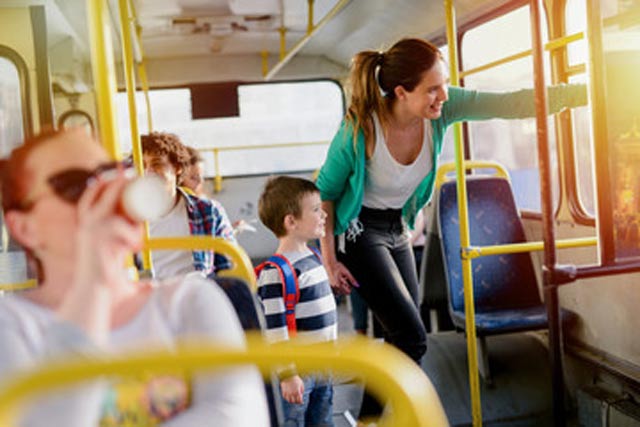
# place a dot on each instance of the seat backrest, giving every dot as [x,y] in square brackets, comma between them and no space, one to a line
[499,281]
[244,302]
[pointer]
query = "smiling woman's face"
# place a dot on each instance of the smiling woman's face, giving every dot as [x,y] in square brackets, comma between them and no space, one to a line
[427,98]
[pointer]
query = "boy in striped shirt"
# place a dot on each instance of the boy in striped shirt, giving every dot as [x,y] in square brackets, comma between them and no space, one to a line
[291,208]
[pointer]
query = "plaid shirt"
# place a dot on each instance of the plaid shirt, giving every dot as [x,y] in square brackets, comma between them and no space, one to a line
[207,217]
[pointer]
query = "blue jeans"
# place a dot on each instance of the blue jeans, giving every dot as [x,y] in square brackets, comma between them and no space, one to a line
[317,409]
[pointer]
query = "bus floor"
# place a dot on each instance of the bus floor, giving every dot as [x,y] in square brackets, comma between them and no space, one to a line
[520,391]
[518,396]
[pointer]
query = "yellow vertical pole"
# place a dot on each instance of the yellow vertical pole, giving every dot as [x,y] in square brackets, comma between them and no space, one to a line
[463,214]
[129,74]
[104,81]
[144,82]
[283,42]
[310,16]
[142,69]
[264,55]
[218,178]
[104,76]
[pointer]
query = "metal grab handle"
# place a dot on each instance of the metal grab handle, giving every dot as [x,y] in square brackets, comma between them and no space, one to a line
[446,168]
[390,375]
[241,264]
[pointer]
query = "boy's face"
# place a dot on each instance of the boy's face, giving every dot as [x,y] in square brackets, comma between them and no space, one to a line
[310,224]
[161,166]
[193,178]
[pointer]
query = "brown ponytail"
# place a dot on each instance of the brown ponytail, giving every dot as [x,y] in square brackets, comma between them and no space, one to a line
[366,97]
[404,64]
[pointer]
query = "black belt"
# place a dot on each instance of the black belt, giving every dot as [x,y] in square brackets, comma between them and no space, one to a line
[380,214]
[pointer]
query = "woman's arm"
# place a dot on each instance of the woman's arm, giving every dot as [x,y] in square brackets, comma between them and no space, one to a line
[340,278]
[465,104]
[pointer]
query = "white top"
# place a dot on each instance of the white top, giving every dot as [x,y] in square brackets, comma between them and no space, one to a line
[173,262]
[193,308]
[389,184]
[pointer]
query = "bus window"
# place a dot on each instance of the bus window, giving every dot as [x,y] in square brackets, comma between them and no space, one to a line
[577,53]
[11,116]
[305,113]
[617,174]
[510,142]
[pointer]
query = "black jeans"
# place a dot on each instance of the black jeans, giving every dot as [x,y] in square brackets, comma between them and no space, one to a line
[382,261]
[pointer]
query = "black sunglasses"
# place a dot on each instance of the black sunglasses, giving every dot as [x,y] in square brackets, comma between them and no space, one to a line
[70,184]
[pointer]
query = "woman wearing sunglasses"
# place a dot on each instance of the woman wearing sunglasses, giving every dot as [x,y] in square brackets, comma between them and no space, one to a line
[62,207]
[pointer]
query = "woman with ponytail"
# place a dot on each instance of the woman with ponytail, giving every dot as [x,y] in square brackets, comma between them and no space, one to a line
[380,171]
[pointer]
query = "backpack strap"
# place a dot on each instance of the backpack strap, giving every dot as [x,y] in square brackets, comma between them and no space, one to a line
[290,287]
[316,252]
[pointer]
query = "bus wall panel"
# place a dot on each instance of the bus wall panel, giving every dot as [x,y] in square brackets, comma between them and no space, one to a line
[607,307]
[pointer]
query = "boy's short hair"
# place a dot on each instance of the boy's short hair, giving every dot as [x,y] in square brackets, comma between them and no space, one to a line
[282,196]
[166,144]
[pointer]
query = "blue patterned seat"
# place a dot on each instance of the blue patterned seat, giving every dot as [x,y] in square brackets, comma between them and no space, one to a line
[505,286]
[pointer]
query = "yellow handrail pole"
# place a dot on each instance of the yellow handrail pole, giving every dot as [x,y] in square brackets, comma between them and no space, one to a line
[340,4]
[241,264]
[259,146]
[10,287]
[283,42]
[104,76]
[264,57]
[573,70]
[129,74]
[310,17]
[142,68]
[512,248]
[144,83]
[469,308]
[443,170]
[552,44]
[217,180]
[389,374]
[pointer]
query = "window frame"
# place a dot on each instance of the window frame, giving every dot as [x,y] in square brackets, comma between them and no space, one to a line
[566,126]
[474,23]
[190,85]
[25,88]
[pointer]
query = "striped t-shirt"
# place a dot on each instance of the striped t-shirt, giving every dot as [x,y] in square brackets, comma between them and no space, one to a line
[316,315]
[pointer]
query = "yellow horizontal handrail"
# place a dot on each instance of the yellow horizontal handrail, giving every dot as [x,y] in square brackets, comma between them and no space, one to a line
[444,169]
[551,45]
[390,375]
[19,286]
[241,264]
[261,146]
[472,251]
[480,251]
[217,179]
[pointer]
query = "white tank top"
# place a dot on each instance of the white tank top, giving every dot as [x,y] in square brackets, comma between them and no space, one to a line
[389,184]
